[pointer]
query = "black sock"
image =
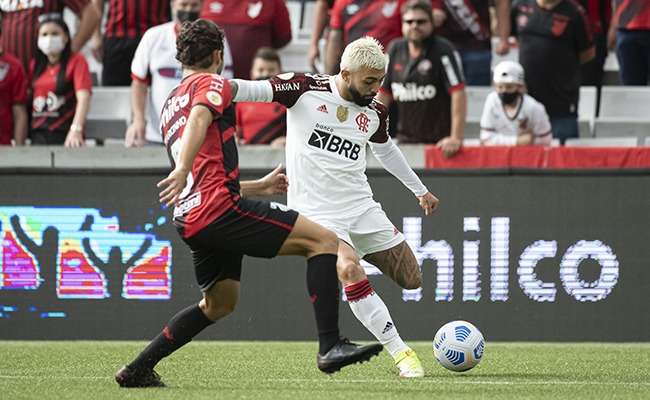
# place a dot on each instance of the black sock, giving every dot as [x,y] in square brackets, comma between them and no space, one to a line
[323,289]
[179,331]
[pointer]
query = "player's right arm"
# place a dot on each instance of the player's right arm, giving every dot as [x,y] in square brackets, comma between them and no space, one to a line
[193,136]
[284,89]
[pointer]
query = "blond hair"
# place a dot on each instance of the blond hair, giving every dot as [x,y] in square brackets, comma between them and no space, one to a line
[364,52]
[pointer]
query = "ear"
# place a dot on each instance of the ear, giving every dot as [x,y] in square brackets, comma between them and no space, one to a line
[345,74]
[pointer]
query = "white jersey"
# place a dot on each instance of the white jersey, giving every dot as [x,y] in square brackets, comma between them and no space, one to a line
[326,146]
[155,63]
[497,128]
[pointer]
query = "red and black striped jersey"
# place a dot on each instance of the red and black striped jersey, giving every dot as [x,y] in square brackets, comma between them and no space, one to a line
[20,23]
[467,25]
[213,183]
[261,123]
[131,18]
[13,87]
[380,19]
[632,14]
[54,109]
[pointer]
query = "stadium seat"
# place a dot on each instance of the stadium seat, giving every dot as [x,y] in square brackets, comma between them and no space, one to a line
[646,142]
[622,126]
[587,110]
[625,101]
[110,110]
[602,142]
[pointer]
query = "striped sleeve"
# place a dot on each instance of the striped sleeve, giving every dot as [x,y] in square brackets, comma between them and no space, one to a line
[453,68]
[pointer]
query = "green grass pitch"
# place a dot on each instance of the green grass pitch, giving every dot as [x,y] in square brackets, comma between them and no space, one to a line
[287,370]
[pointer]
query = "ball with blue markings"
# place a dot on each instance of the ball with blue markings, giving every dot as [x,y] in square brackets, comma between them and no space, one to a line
[458,346]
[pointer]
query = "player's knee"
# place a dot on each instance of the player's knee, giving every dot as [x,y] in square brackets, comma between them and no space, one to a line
[217,309]
[349,271]
[328,242]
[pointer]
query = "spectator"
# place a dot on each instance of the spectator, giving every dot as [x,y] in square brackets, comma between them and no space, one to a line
[20,24]
[630,30]
[13,86]
[61,86]
[510,116]
[126,22]
[354,19]
[156,71]
[263,123]
[321,19]
[425,79]
[554,40]
[466,24]
[249,25]
[599,13]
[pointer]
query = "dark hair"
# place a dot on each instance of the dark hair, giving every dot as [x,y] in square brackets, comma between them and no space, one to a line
[268,54]
[422,5]
[40,59]
[196,42]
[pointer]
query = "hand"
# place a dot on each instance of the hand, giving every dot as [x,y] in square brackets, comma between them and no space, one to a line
[279,142]
[274,183]
[503,47]
[313,54]
[134,136]
[429,203]
[449,146]
[439,17]
[74,139]
[524,139]
[97,47]
[172,186]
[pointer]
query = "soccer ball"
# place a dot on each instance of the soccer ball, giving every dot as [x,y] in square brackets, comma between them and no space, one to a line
[458,346]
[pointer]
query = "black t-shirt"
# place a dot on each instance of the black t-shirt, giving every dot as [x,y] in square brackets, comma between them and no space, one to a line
[467,24]
[422,89]
[550,42]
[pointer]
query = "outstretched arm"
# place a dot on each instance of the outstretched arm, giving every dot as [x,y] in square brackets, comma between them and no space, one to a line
[138,254]
[393,161]
[22,236]
[85,243]
[255,91]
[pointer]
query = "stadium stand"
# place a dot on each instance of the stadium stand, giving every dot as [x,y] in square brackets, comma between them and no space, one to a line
[602,142]
[110,110]
[624,113]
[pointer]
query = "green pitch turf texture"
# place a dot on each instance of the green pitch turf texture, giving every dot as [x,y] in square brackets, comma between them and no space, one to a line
[287,370]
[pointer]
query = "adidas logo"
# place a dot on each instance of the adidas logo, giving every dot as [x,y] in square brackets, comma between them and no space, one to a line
[389,326]
[322,108]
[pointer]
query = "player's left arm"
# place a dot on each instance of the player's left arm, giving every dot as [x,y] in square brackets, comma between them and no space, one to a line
[271,184]
[391,158]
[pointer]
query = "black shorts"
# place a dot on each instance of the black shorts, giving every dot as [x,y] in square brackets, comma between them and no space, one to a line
[253,228]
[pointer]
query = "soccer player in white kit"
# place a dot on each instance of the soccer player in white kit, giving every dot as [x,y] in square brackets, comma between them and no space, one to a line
[330,119]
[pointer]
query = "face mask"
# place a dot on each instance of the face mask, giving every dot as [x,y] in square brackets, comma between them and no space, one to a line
[509,98]
[185,16]
[51,45]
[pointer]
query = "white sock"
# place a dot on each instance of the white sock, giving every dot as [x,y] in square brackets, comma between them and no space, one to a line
[371,311]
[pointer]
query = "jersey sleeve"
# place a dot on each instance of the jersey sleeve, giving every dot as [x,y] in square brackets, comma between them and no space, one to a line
[381,135]
[212,92]
[287,88]
[141,59]
[81,78]
[452,67]
[541,125]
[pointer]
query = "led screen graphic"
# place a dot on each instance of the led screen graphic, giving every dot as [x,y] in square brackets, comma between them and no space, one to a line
[79,254]
[524,257]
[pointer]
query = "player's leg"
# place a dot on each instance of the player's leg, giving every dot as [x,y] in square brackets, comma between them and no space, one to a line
[374,233]
[320,246]
[218,276]
[370,309]
[399,264]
